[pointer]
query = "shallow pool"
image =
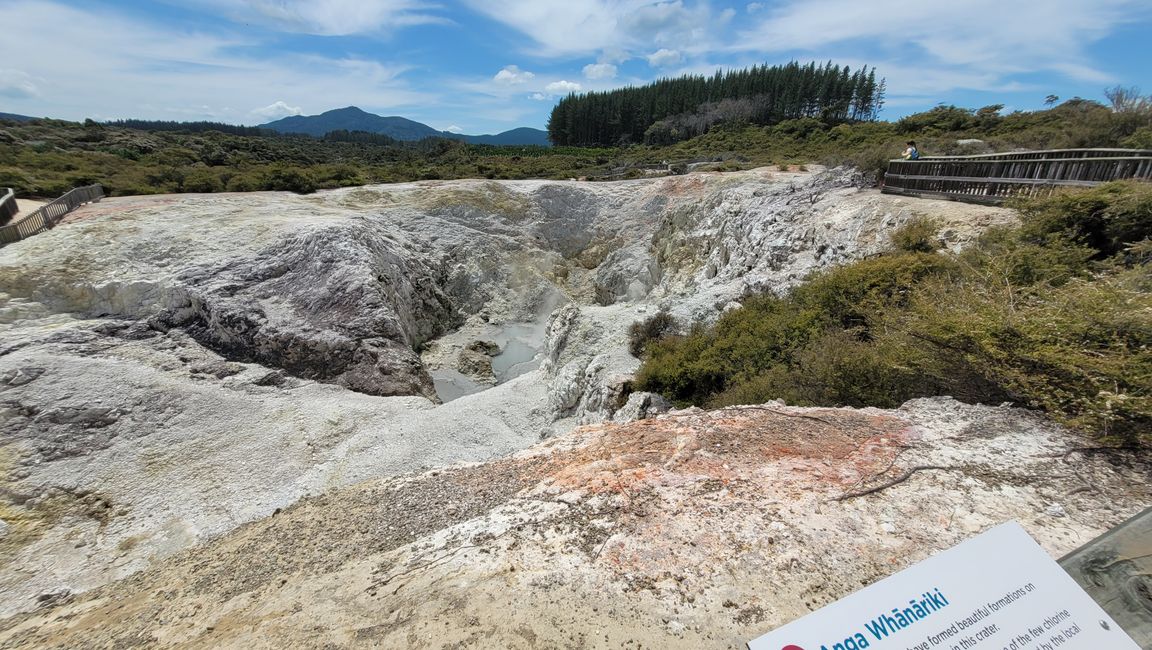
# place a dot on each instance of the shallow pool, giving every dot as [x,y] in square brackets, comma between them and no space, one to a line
[521,351]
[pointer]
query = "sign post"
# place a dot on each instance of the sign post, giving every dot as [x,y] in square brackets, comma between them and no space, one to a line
[996,591]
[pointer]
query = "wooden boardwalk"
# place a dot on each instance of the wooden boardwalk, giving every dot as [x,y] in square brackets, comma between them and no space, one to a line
[8,205]
[48,215]
[992,178]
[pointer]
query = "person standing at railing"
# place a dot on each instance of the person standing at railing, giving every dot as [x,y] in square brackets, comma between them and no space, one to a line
[911,153]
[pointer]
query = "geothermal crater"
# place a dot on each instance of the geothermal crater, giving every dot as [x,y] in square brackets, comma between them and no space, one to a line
[331,390]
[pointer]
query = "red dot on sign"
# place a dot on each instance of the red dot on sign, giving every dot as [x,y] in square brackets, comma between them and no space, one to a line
[792,647]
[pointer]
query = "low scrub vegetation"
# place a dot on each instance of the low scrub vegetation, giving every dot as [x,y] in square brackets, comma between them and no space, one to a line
[47,157]
[1055,314]
[641,333]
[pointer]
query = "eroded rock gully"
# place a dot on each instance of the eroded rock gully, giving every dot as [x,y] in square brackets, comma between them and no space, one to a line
[173,368]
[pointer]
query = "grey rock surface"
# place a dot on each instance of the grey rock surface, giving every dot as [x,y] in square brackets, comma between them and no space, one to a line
[641,406]
[173,367]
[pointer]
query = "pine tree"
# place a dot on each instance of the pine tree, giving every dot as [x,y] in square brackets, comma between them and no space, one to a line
[687,106]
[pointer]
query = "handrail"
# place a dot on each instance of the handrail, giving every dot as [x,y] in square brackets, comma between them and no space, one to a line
[993,178]
[966,160]
[8,207]
[50,214]
[1072,153]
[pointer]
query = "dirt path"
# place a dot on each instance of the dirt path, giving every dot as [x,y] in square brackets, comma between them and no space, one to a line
[27,207]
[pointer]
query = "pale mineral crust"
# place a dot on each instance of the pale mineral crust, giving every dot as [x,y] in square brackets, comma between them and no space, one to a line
[176,368]
[691,530]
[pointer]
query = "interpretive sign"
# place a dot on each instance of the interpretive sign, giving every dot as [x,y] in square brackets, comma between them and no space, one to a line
[996,591]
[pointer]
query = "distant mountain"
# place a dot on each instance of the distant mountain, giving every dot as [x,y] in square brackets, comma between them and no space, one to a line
[16,118]
[521,136]
[400,128]
[353,119]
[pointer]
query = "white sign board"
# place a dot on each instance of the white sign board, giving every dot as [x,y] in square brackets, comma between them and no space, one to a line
[997,591]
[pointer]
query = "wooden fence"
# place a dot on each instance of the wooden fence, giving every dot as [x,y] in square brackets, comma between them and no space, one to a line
[8,207]
[992,178]
[50,214]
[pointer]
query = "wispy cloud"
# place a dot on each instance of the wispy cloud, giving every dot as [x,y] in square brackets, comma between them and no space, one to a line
[981,36]
[275,111]
[132,68]
[576,27]
[329,17]
[511,75]
[597,71]
[664,57]
[563,87]
[17,84]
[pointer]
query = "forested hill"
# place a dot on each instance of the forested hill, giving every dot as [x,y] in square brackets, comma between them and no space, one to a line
[671,110]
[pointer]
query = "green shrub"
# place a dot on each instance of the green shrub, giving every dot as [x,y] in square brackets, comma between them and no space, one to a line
[871,160]
[1031,315]
[769,332]
[1140,139]
[1082,352]
[246,182]
[1104,218]
[641,333]
[202,180]
[676,367]
[919,235]
[938,119]
[846,296]
[289,179]
[839,369]
[1003,256]
[15,180]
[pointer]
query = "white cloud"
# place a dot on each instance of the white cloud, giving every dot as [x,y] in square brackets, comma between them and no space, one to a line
[596,71]
[17,84]
[753,7]
[453,129]
[574,27]
[920,83]
[513,75]
[614,55]
[979,36]
[562,87]
[664,57]
[328,17]
[132,68]
[276,111]
[540,97]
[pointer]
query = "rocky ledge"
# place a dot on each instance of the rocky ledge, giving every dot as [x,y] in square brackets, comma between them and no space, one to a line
[694,530]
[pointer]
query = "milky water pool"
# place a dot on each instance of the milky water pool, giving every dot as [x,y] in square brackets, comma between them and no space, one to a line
[521,351]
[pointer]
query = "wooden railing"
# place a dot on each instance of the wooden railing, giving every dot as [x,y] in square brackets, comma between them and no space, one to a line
[8,207]
[992,178]
[49,214]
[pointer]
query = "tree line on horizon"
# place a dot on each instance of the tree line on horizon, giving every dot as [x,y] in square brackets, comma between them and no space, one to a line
[190,127]
[672,110]
[45,157]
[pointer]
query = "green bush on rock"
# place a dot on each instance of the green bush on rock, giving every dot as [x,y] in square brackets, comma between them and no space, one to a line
[1054,315]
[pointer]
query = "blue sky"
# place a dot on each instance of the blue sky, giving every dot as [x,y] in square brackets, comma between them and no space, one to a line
[482,66]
